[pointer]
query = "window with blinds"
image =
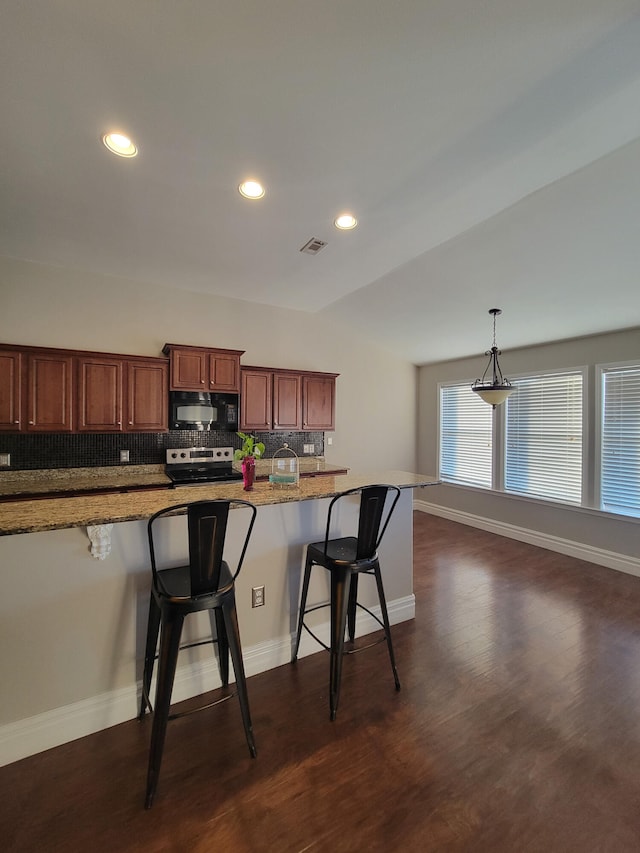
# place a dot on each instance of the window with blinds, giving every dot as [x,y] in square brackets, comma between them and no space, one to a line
[620,440]
[466,437]
[544,437]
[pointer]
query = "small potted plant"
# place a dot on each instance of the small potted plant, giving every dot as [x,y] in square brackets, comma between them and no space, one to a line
[248,453]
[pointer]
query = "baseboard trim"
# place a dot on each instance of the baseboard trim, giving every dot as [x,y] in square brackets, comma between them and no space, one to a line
[600,556]
[52,728]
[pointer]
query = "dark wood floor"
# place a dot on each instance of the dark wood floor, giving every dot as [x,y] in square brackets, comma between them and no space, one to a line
[517,729]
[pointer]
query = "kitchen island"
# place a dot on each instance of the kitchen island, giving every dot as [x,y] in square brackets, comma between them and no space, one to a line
[72,628]
[133,500]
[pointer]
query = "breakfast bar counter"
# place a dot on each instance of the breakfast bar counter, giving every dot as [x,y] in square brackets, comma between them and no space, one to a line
[134,502]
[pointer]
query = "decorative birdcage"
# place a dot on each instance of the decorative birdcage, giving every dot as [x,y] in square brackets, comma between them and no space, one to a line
[285,469]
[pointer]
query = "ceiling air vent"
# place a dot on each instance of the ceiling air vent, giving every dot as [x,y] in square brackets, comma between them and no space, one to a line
[313,246]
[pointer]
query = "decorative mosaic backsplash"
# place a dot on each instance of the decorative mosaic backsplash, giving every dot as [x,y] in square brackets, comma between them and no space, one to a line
[88,450]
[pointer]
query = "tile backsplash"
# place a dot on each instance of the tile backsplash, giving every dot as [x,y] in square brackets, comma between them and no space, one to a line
[56,450]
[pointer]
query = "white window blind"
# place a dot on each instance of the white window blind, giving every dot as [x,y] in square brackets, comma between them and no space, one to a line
[620,442]
[465,437]
[543,446]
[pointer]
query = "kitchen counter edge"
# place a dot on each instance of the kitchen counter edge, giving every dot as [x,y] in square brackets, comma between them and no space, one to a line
[82,510]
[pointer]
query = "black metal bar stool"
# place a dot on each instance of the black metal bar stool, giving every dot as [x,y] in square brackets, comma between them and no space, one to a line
[204,583]
[345,559]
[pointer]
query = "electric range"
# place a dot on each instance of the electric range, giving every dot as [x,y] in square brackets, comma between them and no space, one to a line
[192,466]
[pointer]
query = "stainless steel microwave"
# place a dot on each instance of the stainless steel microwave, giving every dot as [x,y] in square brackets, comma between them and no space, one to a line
[201,410]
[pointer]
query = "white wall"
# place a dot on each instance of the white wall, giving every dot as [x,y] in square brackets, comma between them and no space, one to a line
[48,306]
[595,530]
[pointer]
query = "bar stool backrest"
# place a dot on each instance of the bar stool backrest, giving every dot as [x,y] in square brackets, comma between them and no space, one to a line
[207,529]
[372,520]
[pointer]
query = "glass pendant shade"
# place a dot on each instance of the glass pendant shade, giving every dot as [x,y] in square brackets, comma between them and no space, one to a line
[494,394]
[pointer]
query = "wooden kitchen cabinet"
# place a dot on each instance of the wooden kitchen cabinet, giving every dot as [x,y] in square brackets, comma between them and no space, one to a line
[286,400]
[49,392]
[256,400]
[147,395]
[54,390]
[100,390]
[318,402]
[270,400]
[11,365]
[203,369]
[122,395]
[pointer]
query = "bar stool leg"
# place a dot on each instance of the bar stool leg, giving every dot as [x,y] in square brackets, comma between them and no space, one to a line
[169,645]
[153,626]
[217,623]
[340,583]
[353,603]
[303,603]
[233,634]
[385,621]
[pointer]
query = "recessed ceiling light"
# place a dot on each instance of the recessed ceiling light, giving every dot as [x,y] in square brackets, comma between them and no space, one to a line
[345,222]
[251,189]
[119,144]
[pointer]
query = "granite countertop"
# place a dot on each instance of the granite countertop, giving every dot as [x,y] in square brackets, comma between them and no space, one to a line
[110,478]
[53,513]
[307,466]
[121,477]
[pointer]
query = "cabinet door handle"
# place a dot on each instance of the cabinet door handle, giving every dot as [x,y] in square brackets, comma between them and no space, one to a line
[29,422]
[202,381]
[16,422]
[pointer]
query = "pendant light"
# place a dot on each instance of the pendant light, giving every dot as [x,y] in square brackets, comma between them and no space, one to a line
[494,389]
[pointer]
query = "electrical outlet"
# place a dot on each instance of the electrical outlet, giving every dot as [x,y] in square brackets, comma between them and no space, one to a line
[308,448]
[5,459]
[330,440]
[257,596]
[124,455]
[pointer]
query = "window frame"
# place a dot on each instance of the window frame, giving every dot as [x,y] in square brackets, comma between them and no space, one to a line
[600,370]
[460,384]
[585,489]
[499,441]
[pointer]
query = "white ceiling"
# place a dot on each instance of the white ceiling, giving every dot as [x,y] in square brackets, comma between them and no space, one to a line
[490,150]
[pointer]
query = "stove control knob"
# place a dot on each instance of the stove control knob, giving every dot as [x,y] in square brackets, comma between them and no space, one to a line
[183,455]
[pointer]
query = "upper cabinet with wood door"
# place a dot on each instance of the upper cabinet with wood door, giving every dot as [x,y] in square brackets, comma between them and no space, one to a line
[100,390]
[119,394]
[147,400]
[274,399]
[287,401]
[319,401]
[256,400]
[54,390]
[36,389]
[49,391]
[203,369]
[11,366]
[270,400]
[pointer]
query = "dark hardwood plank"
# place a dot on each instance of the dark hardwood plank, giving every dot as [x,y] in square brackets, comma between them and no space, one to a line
[516,730]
